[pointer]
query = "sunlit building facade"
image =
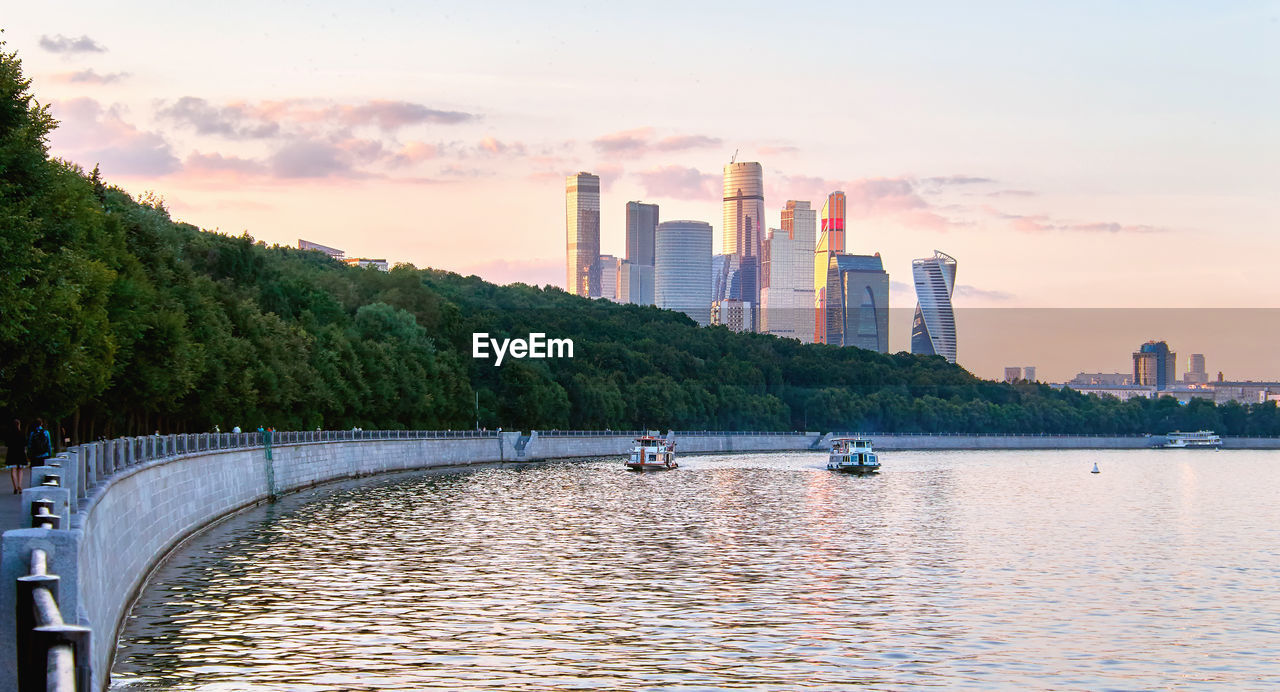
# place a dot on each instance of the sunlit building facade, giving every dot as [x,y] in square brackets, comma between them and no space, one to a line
[786,275]
[830,242]
[582,234]
[682,268]
[857,307]
[1154,365]
[744,223]
[933,328]
[732,313]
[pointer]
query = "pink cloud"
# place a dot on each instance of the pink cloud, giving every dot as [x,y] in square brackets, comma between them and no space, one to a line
[640,141]
[680,183]
[90,134]
[89,76]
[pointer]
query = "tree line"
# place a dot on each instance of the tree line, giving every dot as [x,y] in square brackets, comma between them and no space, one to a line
[119,320]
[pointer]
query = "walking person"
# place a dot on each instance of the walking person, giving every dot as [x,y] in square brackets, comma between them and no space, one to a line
[39,445]
[15,444]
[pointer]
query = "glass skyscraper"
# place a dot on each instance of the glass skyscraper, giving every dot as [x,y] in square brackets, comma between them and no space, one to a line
[1154,365]
[744,223]
[857,307]
[582,234]
[933,329]
[830,242]
[786,275]
[682,268]
[642,223]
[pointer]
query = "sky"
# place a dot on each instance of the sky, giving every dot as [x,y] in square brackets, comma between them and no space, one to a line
[1067,155]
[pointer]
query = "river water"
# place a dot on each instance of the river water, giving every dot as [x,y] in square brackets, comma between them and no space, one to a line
[764,571]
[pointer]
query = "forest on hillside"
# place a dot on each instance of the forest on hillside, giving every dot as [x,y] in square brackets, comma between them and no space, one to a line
[118,320]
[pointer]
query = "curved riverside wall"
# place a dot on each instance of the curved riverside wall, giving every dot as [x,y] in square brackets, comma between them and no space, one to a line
[123,515]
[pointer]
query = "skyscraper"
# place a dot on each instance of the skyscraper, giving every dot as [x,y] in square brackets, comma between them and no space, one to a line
[744,223]
[582,234]
[857,308]
[608,270]
[635,283]
[682,268]
[642,223]
[1195,370]
[933,330]
[1154,365]
[786,275]
[831,241]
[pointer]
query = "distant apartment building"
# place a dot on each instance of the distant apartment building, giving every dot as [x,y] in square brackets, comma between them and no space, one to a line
[933,328]
[582,234]
[1102,378]
[1012,374]
[830,242]
[608,271]
[743,231]
[1154,365]
[379,264]
[1029,373]
[1195,370]
[857,306]
[732,313]
[330,251]
[635,283]
[682,268]
[786,293]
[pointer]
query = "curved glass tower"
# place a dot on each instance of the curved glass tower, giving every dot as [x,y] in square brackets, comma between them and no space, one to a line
[933,330]
[682,268]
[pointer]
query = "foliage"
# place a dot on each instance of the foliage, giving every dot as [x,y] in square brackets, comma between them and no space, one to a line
[118,320]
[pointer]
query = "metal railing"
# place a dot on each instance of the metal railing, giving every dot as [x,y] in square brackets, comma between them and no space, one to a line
[53,656]
[591,433]
[739,433]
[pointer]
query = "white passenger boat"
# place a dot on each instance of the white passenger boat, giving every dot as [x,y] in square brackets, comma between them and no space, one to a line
[1200,439]
[652,454]
[853,455]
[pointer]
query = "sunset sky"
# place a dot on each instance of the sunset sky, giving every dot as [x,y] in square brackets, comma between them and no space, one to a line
[1072,154]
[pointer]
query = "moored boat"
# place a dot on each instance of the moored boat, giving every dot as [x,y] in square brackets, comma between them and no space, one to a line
[652,454]
[1201,439]
[852,455]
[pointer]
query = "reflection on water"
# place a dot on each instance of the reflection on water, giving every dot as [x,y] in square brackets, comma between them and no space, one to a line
[962,569]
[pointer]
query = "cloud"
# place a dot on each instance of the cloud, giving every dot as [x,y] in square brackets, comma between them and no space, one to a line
[91,134]
[69,45]
[216,163]
[414,152]
[640,141]
[243,120]
[679,182]
[310,159]
[1011,193]
[90,77]
[778,149]
[966,291]
[1043,223]
[956,180]
[900,199]
[235,121]
[490,145]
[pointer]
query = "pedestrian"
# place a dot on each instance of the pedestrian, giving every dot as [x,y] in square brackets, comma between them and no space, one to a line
[39,445]
[15,444]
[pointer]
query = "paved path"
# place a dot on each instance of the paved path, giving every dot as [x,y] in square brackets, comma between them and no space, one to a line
[10,504]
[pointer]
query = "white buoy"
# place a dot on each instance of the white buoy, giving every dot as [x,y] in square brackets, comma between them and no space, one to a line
[1095,469]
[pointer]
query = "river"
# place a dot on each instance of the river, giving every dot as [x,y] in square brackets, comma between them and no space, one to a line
[1007,569]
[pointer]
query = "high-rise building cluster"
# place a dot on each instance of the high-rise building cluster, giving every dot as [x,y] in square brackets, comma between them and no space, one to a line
[796,281]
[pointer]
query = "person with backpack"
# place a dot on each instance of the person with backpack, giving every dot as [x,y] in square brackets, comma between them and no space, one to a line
[15,445]
[39,445]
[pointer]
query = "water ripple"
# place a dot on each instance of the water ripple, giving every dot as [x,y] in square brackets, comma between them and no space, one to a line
[953,570]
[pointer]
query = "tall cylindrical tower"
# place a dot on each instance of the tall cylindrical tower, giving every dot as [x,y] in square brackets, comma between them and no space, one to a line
[682,268]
